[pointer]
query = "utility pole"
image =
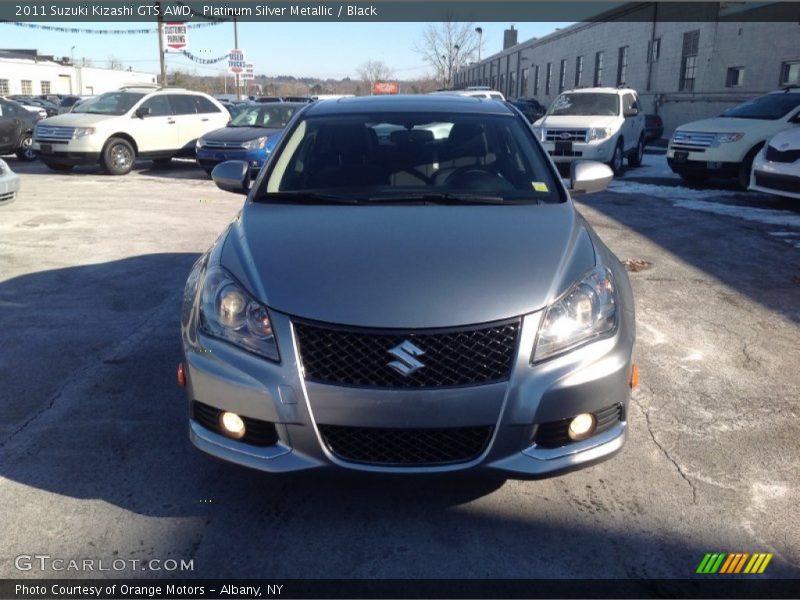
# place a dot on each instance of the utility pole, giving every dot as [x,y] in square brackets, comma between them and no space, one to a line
[236,45]
[161,46]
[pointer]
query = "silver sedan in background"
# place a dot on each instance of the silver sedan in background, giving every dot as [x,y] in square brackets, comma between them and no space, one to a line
[9,184]
[392,299]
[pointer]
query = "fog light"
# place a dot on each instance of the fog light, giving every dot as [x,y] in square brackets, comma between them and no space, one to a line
[581,427]
[181,375]
[232,424]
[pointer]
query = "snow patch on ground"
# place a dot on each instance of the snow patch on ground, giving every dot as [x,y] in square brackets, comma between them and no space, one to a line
[748,213]
[653,165]
[667,192]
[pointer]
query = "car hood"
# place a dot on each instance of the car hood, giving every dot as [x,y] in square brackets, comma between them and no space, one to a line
[239,134]
[577,121]
[76,120]
[407,266]
[732,124]
[786,140]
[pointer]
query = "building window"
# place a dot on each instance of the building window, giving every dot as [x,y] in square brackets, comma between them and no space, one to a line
[691,45]
[45,87]
[578,71]
[562,75]
[524,83]
[27,87]
[735,77]
[502,84]
[790,73]
[548,79]
[536,81]
[654,50]
[512,84]
[622,66]
[598,69]
[4,91]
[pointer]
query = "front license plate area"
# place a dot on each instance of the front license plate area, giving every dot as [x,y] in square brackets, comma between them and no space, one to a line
[46,148]
[563,148]
[681,156]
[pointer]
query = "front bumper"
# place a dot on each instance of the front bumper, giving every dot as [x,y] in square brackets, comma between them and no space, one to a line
[73,152]
[780,179]
[208,158]
[586,380]
[600,151]
[710,161]
[9,186]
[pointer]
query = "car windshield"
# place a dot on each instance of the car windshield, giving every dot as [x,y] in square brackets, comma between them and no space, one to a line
[769,107]
[605,105]
[274,116]
[411,157]
[112,103]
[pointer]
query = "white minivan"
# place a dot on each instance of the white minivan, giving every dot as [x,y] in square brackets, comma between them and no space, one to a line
[117,128]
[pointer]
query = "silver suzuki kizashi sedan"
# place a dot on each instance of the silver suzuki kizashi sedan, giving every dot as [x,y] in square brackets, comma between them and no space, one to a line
[409,288]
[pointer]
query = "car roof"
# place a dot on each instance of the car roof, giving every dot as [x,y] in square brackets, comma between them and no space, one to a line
[410,103]
[600,90]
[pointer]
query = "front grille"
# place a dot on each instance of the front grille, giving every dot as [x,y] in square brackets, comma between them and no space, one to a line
[565,153]
[256,433]
[554,434]
[775,155]
[688,149]
[47,133]
[7,196]
[693,139]
[566,135]
[223,145]
[783,183]
[406,447]
[450,357]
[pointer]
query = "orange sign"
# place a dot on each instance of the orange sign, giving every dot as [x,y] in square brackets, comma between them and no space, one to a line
[385,87]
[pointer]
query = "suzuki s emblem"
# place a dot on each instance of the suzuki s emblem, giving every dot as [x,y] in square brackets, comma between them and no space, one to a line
[406,364]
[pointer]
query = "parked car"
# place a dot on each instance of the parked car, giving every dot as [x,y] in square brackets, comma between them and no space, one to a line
[267,99]
[250,136]
[16,130]
[604,124]
[653,128]
[26,103]
[472,93]
[67,104]
[305,99]
[725,146]
[117,128]
[410,305]
[776,168]
[530,107]
[9,184]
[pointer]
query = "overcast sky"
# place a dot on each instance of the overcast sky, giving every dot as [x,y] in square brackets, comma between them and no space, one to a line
[300,49]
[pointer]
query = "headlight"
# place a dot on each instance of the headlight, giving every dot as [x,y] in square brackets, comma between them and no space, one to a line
[256,144]
[726,138]
[3,166]
[600,133]
[200,143]
[83,132]
[588,310]
[228,312]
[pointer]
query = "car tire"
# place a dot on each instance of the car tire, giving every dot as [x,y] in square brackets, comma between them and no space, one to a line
[118,157]
[60,167]
[743,175]
[25,149]
[617,159]
[635,157]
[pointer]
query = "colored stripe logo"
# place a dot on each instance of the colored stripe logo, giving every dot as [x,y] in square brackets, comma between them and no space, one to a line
[732,563]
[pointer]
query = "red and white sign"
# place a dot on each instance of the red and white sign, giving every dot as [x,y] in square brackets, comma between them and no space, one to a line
[176,36]
[236,62]
[385,87]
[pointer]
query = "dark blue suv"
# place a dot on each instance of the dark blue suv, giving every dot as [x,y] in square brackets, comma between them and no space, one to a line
[250,136]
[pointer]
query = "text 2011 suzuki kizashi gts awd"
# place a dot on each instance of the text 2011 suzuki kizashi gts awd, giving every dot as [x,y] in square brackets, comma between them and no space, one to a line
[408,288]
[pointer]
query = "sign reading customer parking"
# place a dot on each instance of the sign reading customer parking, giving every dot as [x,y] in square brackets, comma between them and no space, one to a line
[176,36]
[236,61]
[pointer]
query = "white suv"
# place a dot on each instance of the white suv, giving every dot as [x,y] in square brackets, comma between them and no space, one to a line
[726,145]
[603,124]
[116,128]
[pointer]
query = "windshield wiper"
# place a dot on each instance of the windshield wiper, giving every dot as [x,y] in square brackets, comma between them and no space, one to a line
[301,197]
[444,198]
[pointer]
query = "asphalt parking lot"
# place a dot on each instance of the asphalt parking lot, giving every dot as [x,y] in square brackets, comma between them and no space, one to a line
[95,460]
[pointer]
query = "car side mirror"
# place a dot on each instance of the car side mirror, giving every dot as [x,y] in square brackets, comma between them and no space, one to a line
[589,176]
[143,111]
[631,112]
[232,176]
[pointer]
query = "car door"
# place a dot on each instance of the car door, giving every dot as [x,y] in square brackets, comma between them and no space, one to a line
[210,116]
[10,127]
[629,129]
[156,131]
[187,119]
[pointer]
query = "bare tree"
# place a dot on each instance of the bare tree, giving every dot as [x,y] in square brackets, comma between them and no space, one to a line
[114,63]
[447,47]
[374,70]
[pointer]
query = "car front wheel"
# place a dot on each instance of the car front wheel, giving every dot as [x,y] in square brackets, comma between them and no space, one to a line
[25,149]
[616,159]
[635,158]
[118,157]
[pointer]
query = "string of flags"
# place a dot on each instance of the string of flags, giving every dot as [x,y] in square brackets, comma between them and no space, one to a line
[101,31]
[203,61]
